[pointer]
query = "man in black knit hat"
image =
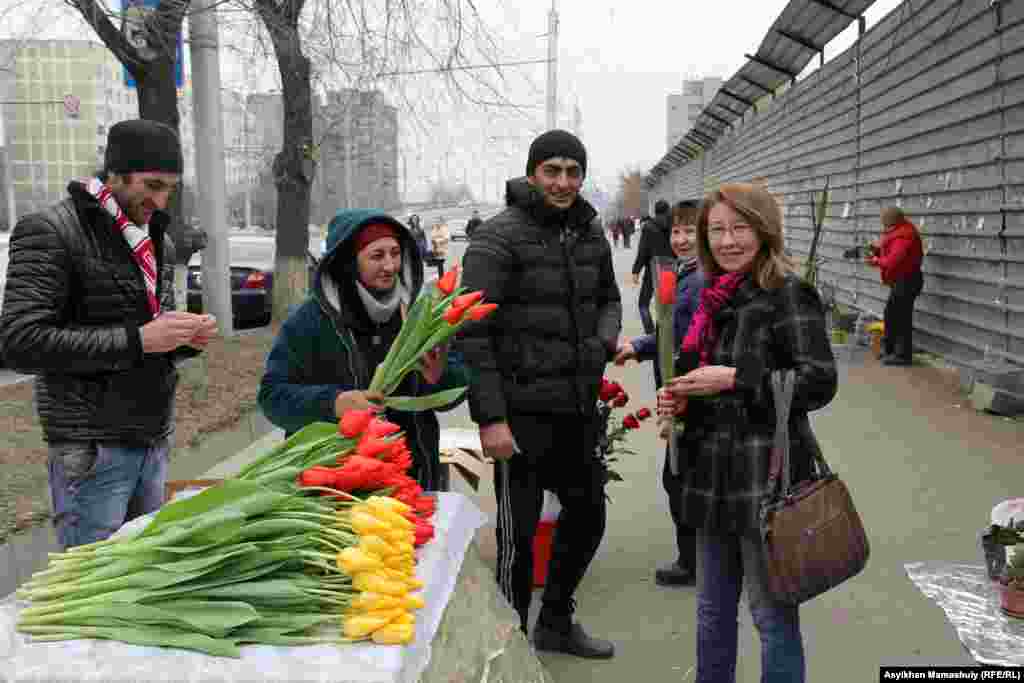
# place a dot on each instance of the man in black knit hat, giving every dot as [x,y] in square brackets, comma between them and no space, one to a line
[536,365]
[89,308]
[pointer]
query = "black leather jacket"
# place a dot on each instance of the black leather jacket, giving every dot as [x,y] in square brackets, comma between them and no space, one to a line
[74,304]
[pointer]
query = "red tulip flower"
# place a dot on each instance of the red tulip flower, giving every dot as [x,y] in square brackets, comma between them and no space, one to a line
[643,414]
[667,288]
[373,447]
[630,422]
[354,422]
[359,473]
[480,311]
[318,476]
[467,300]
[448,281]
[379,427]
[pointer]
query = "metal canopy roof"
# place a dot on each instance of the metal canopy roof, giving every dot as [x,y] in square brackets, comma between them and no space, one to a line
[800,32]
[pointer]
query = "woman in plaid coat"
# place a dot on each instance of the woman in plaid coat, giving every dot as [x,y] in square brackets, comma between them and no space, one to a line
[755,317]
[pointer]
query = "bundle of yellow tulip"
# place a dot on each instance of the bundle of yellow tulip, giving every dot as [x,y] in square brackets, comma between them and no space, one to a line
[382,567]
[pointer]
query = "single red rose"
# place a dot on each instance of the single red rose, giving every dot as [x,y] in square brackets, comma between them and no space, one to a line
[667,288]
[608,391]
[643,413]
[480,311]
[621,400]
[630,422]
[354,422]
[448,281]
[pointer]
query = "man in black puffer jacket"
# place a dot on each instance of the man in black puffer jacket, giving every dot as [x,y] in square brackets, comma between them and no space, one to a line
[536,365]
[655,241]
[89,308]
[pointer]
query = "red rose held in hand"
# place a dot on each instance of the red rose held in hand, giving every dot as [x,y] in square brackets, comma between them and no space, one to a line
[630,422]
[621,400]
[608,390]
[643,413]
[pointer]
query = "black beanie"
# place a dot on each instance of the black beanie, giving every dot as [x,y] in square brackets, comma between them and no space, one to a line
[660,207]
[140,145]
[556,143]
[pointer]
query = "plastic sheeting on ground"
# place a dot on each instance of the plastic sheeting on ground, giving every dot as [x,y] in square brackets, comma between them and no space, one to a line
[971,603]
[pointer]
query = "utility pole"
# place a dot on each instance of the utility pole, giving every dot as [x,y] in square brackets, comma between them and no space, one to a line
[552,104]
[209,134]
[248,162]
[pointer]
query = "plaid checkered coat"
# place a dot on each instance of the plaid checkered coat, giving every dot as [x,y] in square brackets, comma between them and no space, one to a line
[728,439]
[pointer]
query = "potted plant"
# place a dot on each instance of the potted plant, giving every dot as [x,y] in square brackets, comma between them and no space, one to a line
[1004,556]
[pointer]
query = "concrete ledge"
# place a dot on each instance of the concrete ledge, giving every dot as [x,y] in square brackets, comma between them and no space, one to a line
[236,462]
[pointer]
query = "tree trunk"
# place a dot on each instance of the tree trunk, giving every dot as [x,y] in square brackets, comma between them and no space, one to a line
[294,168]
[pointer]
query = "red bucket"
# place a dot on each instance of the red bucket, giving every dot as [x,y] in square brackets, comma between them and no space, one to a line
[542,551]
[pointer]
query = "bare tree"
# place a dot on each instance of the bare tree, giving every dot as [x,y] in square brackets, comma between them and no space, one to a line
[149,56]
[358,44]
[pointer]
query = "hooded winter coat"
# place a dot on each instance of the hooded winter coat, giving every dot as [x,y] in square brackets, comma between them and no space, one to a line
[544,350]
[329,345]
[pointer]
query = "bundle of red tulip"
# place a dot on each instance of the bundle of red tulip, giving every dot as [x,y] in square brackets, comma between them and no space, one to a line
[378,465]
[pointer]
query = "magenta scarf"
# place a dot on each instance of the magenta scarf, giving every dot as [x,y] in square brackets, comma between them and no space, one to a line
[702,335]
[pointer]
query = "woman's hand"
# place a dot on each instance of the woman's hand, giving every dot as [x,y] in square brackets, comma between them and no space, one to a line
[357,400]
[433,364]
[709,380]
[669,404]
[624,352]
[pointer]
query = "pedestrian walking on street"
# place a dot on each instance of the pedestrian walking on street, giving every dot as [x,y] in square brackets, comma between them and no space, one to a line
[628,228]
[538,363]
[616,230]
[683,570]
[898,255]
[89,308]
[755,317]
[654,243]
[419,236]
[324,357]
[440,238]
[472,224]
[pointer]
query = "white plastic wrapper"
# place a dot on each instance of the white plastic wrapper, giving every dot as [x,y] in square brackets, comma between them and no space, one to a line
[971,603]
[456,522]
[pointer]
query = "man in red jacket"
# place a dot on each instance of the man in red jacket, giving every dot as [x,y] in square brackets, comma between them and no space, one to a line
[898,254]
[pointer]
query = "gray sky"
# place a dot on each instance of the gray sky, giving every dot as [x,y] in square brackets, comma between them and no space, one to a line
[617,60]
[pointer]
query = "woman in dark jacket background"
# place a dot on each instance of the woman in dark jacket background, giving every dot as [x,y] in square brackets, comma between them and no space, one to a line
[324,357]
[683,570]
[755,317]
[898,255]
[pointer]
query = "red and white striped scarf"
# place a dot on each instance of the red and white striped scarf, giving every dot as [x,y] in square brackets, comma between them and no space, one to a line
[137,238]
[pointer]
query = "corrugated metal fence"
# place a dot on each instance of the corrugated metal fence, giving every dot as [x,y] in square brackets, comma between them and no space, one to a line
[925,112]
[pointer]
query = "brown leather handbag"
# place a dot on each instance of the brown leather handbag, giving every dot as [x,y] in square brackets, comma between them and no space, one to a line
[812,535]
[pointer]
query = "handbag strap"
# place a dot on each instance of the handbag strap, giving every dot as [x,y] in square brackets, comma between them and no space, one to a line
[783,382]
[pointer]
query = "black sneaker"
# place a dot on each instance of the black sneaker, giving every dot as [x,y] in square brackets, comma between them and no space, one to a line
[897,361]
[559,633]
[675,575]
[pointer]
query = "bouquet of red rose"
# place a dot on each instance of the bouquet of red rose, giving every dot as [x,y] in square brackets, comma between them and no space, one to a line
[610,437]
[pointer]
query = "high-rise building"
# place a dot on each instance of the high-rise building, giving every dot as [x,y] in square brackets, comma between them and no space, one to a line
[45,147]
[358,168]
[684,108]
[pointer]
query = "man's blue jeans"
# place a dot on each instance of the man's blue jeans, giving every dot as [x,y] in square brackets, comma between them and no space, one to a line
[725,563]
[97,487]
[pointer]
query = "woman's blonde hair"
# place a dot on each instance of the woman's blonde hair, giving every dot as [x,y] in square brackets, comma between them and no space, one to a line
[759,208]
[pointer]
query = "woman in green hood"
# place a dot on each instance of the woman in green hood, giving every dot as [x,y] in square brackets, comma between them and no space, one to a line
[325,355]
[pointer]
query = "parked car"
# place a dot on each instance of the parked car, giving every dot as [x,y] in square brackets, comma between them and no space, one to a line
[252,277]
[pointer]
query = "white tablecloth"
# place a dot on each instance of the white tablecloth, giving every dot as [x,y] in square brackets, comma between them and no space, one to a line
[456,522]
